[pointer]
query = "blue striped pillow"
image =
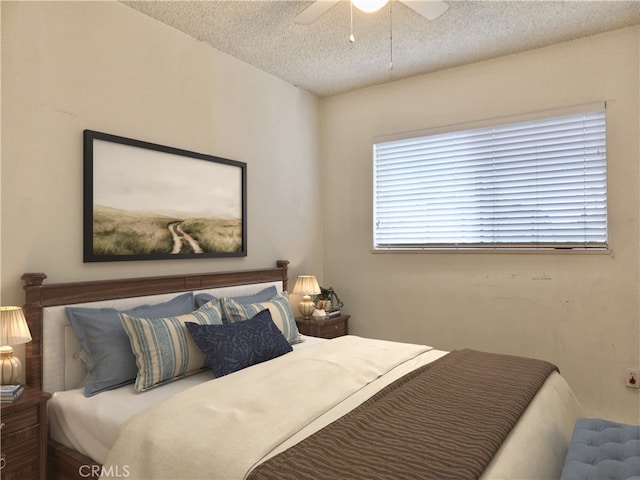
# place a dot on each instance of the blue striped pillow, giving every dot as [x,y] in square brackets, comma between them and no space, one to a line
[164,349]
[278,306]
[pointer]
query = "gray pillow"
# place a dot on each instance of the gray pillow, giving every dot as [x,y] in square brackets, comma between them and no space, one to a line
[263,295]
[111,362]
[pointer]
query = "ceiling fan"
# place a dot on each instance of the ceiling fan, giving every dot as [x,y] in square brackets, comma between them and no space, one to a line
[430,9]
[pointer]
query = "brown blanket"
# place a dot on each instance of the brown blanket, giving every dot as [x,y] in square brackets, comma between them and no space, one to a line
[445,420]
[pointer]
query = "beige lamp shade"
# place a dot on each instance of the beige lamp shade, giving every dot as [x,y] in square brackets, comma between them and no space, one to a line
[306,285]
[13,326]
[13,331]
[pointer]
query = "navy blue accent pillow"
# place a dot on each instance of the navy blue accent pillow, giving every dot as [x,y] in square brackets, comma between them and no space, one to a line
[233,346]
[263,295]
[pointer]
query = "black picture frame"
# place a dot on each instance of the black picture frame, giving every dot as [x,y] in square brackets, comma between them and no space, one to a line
[144,201]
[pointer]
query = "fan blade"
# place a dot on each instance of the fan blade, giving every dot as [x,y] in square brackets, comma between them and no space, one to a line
[430,9]
[313,12]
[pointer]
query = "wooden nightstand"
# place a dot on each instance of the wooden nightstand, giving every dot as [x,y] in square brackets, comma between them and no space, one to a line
[325,328]
[24,436]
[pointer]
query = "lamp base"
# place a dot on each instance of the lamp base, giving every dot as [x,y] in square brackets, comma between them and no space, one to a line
[10,367]
[306,307]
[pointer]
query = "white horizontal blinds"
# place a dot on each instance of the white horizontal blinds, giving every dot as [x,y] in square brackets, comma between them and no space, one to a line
[538,184]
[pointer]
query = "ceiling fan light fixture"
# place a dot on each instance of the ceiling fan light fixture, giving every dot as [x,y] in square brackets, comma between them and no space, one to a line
[369,6]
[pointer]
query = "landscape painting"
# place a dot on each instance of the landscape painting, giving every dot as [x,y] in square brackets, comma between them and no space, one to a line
[144,201]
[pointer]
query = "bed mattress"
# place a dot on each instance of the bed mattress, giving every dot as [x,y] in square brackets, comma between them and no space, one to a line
[92,425]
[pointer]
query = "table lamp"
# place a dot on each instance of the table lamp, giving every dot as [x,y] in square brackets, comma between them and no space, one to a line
[306,285]
[13,331]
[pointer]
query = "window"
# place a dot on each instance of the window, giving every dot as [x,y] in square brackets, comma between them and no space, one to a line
[537,184]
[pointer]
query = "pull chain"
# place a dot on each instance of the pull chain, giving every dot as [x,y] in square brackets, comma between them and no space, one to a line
[390,37]
[352,39]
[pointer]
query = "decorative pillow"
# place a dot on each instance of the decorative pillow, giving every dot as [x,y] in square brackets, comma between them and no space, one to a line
[278,307]
[164,349]
[110,360]
[263,295]
[233,346]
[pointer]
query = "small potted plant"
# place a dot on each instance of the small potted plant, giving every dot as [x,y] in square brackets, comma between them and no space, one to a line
[328,300]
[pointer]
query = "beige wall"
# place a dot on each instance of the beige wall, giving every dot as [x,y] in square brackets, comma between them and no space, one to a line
[577,310]
[103,66]
[69,66]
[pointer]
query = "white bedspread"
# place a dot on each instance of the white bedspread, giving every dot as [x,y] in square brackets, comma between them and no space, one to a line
[91,425]
[240,425]
[220,429]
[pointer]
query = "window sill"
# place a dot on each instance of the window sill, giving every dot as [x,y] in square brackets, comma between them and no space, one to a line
[489,250]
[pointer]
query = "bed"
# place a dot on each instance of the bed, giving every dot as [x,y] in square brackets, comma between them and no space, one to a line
[308,408]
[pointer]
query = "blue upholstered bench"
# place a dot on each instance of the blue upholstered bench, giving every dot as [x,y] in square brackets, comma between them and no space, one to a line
[603,450]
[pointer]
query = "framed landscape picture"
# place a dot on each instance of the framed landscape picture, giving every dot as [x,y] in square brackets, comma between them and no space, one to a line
[144,201]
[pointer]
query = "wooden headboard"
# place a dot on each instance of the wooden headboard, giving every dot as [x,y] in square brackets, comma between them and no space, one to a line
[38,296]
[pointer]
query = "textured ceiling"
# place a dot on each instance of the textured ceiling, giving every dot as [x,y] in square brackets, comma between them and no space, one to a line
[319,57]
